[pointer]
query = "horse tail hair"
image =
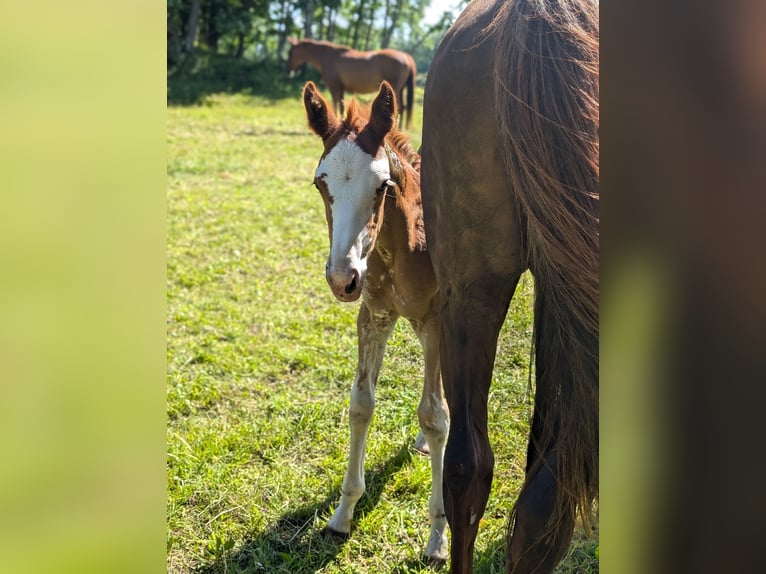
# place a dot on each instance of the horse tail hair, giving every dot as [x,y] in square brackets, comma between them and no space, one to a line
[547,96]
[410,85]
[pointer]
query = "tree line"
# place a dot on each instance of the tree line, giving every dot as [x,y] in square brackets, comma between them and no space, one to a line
[258,29]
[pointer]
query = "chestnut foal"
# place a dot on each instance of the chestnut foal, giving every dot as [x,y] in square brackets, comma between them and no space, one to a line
[371,193]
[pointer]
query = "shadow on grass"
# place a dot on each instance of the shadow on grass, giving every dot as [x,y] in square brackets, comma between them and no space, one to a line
[581,558]
[205,74]
[489,561]
[297,543]
[492,559]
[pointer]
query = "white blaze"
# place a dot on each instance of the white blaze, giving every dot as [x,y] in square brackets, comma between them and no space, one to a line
[352,177]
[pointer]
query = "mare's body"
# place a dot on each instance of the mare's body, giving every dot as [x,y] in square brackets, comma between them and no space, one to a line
[510,182]
[344,69]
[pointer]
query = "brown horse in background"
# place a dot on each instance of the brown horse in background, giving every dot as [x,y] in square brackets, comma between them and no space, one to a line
[510,173]
[344,69]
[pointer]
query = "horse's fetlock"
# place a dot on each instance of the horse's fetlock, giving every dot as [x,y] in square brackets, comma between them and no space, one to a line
[353,490]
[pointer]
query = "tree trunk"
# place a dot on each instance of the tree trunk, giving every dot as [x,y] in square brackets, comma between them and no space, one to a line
[174,41]
[283,25]
[308,19]
[384,40]
[331,24]
[358,24]
[388,31]
[321,31]
[370,22]
[191,29]
[367,37]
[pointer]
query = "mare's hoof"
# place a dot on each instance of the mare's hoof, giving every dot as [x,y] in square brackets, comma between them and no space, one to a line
[334,535]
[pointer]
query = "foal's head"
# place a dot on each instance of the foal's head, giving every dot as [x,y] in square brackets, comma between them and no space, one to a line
[297,55]
[352,176]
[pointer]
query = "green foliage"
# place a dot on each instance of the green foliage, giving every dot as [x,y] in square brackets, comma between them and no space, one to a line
[206,73]
[260,359]
[257,29]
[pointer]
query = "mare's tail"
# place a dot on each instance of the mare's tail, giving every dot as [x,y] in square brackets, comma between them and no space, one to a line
[410,85]
[547,95]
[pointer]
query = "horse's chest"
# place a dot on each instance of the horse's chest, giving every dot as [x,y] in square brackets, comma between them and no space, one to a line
[387,258]
[398,286]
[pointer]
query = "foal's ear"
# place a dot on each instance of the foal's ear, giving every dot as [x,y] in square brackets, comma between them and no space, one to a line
[383,116]
[321,118]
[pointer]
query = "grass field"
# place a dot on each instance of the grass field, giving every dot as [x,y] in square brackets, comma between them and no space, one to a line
[260,360]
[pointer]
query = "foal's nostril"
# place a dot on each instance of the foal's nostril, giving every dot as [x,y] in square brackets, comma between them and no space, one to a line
[351,287]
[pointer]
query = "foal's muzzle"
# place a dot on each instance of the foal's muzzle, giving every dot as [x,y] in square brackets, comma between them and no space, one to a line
[345,285]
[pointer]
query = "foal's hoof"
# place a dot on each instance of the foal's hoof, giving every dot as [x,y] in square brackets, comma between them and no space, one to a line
[421,444]
[435,563]
[334,535]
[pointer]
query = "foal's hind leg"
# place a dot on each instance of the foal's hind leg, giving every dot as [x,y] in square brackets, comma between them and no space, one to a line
[373,332]
[434,424]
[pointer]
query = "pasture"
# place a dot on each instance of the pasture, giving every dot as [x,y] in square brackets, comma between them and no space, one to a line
[260,360]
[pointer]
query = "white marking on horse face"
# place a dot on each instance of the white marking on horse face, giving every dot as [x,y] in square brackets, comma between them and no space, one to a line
[352,178]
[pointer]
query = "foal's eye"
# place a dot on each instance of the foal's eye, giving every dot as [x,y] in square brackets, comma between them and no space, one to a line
[383,187]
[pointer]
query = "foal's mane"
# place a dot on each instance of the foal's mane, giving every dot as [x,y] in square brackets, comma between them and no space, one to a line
[358,116]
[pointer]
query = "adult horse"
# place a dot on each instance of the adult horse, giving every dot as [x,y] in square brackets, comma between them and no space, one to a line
[344,69]
[370,184]
[510,182]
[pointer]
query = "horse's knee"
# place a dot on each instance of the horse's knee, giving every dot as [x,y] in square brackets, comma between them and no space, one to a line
[361,406]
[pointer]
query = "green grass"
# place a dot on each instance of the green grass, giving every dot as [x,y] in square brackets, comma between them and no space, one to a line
[260,359]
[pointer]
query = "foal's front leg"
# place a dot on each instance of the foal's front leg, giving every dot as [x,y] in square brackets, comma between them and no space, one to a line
[373,331]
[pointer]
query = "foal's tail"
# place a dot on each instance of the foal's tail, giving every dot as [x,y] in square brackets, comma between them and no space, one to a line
[547,73]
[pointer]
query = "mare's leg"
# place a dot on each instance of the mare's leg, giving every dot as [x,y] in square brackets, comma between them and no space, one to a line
[472,315]
[434,425]
[475,240]
[373,331]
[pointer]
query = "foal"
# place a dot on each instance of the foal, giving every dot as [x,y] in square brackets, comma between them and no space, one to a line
[371,194]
